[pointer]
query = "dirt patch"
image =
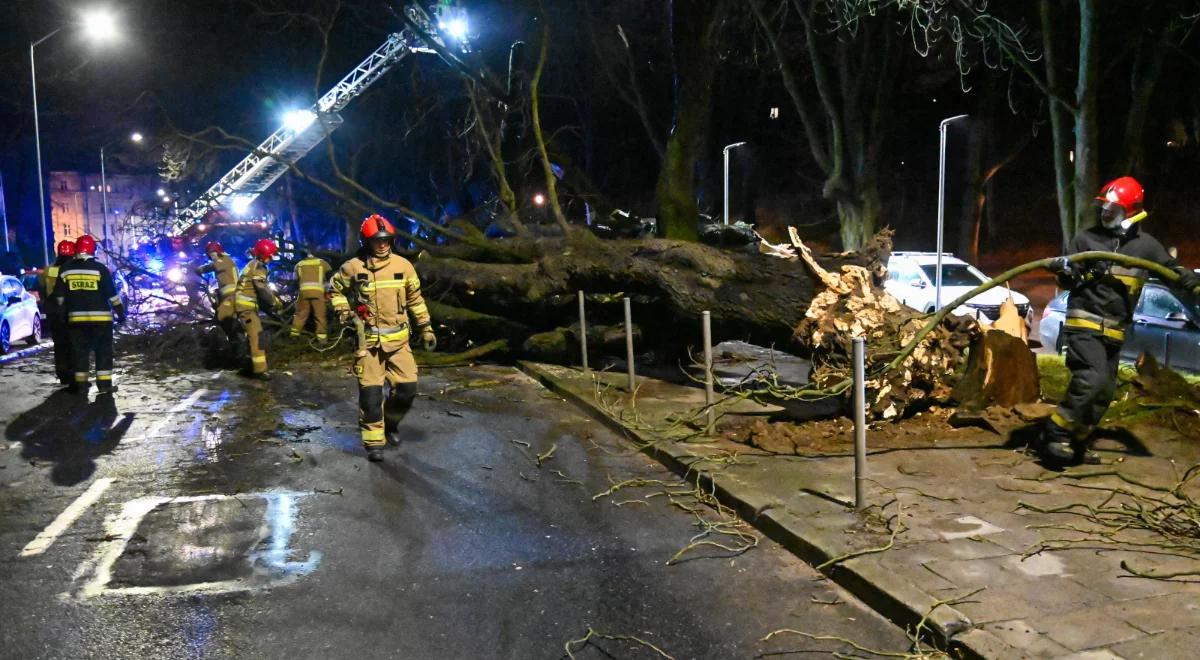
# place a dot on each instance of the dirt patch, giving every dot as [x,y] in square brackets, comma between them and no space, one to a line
[836,436]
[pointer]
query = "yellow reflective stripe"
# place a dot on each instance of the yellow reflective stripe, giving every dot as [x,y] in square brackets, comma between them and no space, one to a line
[88,318]
[103,376]
[384,284]
[373,437]
[419,310]
[1131,282]
[339,300]
[259,359]
[52,271]
[227,289]
[1112,333]
[312,287]
[81,377]
[1061,422]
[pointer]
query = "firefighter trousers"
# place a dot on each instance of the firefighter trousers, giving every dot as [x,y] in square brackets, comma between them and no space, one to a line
[254,329]
[376,367]
[85,339]
[305,307]
[1092,361]
[64,366]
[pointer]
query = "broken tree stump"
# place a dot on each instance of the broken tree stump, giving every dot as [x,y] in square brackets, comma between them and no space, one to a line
[1001,371]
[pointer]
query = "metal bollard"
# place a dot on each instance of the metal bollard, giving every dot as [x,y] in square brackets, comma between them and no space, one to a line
[860,423]
[629,344]
[708,374]
[583,350]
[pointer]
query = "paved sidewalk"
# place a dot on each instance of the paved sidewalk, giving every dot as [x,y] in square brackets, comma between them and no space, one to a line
[965,552]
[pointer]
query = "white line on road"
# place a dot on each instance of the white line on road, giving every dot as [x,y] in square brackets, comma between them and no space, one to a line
[182,405]
[65,519]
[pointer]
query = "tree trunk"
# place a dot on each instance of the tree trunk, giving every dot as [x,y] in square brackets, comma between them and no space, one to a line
[1147,67]
[1059,124]
[1087,123]
[694,27]
[859,217]
[538,136]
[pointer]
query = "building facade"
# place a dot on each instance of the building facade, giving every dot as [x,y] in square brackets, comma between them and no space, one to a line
[77,205]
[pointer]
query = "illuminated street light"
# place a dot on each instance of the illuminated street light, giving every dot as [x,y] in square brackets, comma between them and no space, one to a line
[539,199]
[162,193]
[100,26]
[298,120]
[137,138]
[453,23]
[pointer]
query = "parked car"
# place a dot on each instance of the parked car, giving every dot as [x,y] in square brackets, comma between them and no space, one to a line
[912,279]
[20,319]
[1164,325]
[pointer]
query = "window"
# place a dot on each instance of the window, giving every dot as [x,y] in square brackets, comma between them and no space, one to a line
[775,113]
[954,275]
[1159,303]
[11,288]
[62,185]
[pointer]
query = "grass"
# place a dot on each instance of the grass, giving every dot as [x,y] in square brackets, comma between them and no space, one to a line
[1054,377]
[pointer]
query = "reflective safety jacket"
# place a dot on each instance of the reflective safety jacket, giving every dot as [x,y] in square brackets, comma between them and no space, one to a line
[48,278]
[389,289]
[226,273]
[85,291]
[252,287]
[310,277]
[1106,297]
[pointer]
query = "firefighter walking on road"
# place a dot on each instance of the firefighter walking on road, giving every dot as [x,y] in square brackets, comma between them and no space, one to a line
[64,368]
[310,297]
[381,288]
[1100,307]
[89,303]
[223,268]
[254,293]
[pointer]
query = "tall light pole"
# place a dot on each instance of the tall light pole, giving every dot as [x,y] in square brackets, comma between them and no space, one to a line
[135,138]
[941,225]
[727,149]
[101,26]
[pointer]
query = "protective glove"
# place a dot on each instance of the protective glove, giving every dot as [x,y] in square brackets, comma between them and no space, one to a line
[428,339]
[1061,266]
[1188,281]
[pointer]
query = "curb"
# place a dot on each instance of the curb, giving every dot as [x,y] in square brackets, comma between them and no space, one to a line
[24,352]
[880,589]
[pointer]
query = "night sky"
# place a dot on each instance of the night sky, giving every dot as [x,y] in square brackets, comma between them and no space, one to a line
[197,63]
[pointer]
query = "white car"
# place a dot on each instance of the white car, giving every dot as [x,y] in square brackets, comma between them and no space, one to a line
[20,319]
[912,275]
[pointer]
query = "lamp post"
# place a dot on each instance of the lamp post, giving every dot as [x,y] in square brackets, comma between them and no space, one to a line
[101,26]
[941,223]
[727,149]
[135,138]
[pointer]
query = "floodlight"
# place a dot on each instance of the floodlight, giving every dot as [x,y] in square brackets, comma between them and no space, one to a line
[298,120]
[455,27]
[240,205]
[137,137]
[100,24]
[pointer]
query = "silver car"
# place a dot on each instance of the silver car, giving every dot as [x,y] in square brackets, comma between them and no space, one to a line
[1164,325]
[20,319]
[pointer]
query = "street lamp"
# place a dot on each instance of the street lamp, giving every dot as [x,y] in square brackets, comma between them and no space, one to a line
[941,225]
[727,149]
[135,138]
[100,25]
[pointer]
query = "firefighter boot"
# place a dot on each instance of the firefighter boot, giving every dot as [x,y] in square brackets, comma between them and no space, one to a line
[1058,446]
[375,454]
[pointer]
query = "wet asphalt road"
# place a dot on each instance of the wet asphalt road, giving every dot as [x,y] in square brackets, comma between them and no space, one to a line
[240,520]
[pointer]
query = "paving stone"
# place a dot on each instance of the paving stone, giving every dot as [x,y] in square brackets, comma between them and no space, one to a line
[1181,644]
[1087,629]
[1160,613]
[1093,654]
[993,605]
[1026,638]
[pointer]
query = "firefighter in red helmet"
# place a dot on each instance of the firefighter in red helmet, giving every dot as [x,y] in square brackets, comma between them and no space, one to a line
[47,280]
[1100,308]
[86,292]
[253,293]
[382,288]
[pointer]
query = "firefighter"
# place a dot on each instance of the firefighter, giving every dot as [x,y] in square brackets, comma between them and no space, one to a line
[47,279]
[1100,308]
[252,294]
[223,268]
[86,294]
[384,290]
[310,299]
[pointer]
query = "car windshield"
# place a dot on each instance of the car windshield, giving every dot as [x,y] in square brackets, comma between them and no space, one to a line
[954,275]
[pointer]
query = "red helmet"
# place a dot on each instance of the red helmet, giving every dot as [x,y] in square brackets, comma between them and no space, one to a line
[1124,193]
[214,246]
[264,249]
[85,245]
[66,248]
[376,226]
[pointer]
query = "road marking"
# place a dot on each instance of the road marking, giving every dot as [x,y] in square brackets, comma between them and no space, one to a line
[181,406]
[272,561]
[65,519]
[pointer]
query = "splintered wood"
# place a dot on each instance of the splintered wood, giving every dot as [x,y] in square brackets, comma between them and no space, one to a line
[853,304]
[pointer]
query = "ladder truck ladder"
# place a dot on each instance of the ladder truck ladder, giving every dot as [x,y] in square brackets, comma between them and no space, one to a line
[287,145]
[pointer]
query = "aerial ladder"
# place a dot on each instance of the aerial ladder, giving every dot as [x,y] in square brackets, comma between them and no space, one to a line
[305,129]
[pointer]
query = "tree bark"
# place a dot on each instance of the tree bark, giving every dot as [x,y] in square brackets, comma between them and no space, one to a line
[535,113]
[1059,123]
[1087,122]
[694,29]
